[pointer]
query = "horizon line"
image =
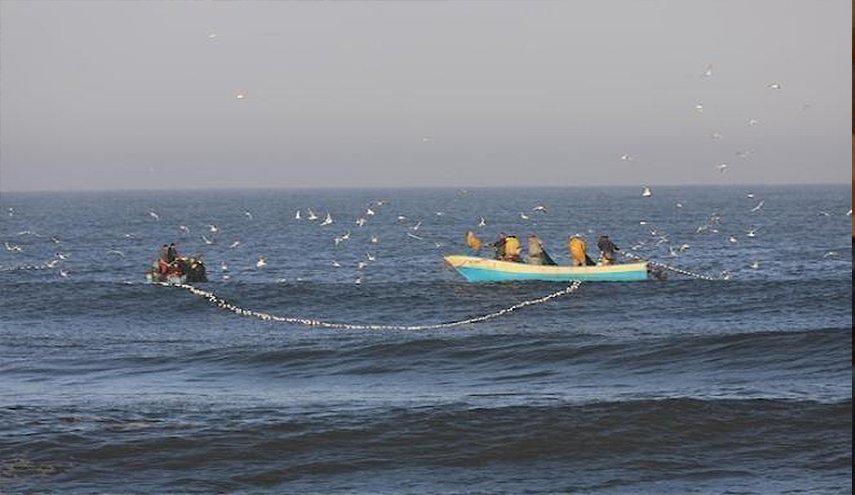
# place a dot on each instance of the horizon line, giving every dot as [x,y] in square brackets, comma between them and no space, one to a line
[423,187]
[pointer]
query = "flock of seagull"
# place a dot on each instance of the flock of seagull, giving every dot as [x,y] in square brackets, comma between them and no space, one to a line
[657,239]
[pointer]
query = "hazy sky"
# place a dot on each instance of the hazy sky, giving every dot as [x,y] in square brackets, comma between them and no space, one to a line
[144,94]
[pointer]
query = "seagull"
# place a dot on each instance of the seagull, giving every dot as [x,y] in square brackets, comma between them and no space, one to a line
[360,221]
[248,214]
[482,222]
[370,256]
[755,265]
[12,247]
[360,265]
[751,233]
[116,251]
[358,281]
[63,273]
[699,108]
[207,241]
[627,158]
[297,215]
[524,216]
[750,195]
[716,135]
[55,240]
[753,122]
[374,239]
[62,256]
[154,215]
[234,244]
[824,214]
[224,266]
[312,217]
[722,168]
[758,207]
[849,213]
[336,264]
[775,86]
[184,228]
[743,154]
[679,205]
[708,71]
[646,193]
[240,96]
[52,263]
[642,222]
[261,263]
[733,240]
[346,236]
[11,212]
[369,212]
[401,218]
[830,254]
[540,208]
[416,226]
[213,228]
[327,220]
[439,213]
[414,236]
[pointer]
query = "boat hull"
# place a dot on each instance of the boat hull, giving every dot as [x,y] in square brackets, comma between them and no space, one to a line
[482,270]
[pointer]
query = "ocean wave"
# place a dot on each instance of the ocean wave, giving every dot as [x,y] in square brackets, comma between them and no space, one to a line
[675,438]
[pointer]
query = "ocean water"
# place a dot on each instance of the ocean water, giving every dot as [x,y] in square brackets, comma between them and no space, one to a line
[111,385]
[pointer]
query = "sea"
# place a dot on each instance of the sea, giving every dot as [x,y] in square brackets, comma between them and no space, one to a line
[741,384]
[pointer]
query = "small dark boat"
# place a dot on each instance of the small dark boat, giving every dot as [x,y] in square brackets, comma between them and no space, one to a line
[183,270]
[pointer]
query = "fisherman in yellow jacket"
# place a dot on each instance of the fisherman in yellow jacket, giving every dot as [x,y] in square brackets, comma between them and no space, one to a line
[579,251]
[512,249]
[473,241]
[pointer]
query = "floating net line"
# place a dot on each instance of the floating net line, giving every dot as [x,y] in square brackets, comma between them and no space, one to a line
[225,305]
[656,264]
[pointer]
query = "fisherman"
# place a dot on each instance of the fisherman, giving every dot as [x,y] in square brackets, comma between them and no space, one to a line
[512,249]
[499,246]
[163,264]
[607,250]
[473,241]
[171,253]
[537,254]
[579,251]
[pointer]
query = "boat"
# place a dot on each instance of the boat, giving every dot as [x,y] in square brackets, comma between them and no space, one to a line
[476,269]
[181,271]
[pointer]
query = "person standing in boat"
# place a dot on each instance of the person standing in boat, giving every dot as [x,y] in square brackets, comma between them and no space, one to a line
[579,251]
[537,254]
[171,253]
[163,264]
[608,250]
[499,246]
[512,249]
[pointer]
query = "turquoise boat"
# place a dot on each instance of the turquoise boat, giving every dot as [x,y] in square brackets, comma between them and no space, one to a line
[476,269]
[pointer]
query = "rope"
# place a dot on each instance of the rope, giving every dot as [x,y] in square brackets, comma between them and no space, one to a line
[225,305]
[699,276]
